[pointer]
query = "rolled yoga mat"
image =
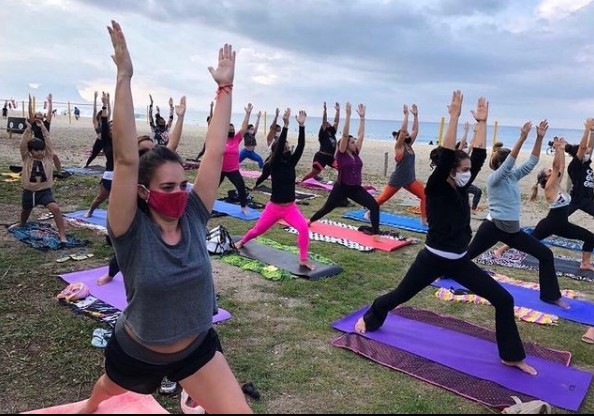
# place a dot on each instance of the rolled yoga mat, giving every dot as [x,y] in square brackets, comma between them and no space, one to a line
[114,292]
[285,260]
[555,383]
[391,220]
[581,311]
[125,404]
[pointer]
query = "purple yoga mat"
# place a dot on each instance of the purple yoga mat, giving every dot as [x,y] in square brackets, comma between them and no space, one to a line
[561,386]
[114,292]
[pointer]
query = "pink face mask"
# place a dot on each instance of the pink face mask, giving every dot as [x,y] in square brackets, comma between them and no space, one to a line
[169,204]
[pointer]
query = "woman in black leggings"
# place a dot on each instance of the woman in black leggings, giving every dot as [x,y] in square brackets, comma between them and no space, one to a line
[445,252]
[98,145]
[580,172]
[557,221]
[350,166]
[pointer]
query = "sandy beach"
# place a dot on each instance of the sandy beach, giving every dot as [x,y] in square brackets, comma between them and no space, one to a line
[72,141]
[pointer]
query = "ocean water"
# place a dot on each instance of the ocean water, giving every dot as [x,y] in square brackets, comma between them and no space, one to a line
[382,129]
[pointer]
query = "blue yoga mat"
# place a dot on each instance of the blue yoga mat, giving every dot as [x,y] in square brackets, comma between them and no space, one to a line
[555,383]
[235,211]
[581,311]
[392,220]
[99,217]
[558,241]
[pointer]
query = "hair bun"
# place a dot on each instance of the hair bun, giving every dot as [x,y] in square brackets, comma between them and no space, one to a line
[497,146]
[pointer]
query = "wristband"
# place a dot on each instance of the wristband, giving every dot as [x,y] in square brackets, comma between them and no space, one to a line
[224,88]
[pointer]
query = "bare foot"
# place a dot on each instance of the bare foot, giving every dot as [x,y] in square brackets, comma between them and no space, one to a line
[239,245]
[498,253]
[84,409]
[245,210]
[360,326]
[309,223]
[377,237]
[18,224]
[104,279]
[561,303]
[88,214]
[64,240]
[424,222]
[366,215]
[307,264]
[522,366]
[586,266]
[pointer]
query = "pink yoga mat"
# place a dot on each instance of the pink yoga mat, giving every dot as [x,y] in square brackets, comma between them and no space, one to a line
[252,174]
[114,293]
[125,404]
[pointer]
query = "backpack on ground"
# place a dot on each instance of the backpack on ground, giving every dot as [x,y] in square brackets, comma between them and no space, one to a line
[219,241]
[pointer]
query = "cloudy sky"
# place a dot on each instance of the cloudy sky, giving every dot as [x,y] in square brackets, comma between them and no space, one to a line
[532,59]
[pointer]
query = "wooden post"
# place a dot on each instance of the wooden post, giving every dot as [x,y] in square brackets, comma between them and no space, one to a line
[386,164]
[147,115]
[34,107]
[265,125]
[23,107]
[495,133]
[69,115]
[440,134]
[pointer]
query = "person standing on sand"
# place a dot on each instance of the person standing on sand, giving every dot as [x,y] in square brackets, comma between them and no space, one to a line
[327,138]
[446,246]
[97,117]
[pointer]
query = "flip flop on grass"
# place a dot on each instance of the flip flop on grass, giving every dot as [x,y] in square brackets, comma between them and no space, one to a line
[588,337]
[63,258]
[81,256]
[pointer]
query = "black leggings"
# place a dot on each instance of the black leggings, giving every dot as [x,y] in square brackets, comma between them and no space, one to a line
[97,148]
[488,235]
[477,193]
[557,223]
[426,268]
[358,194]
[265,173]
[237,181]
[586,205]
[114,267]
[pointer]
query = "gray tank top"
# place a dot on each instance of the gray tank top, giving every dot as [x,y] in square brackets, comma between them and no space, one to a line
[404,173]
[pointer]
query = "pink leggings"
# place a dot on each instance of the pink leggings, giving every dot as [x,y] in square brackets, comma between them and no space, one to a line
[274,213]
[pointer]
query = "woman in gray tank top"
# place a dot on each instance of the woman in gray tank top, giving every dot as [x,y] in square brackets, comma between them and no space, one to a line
[404,174]
[158,231]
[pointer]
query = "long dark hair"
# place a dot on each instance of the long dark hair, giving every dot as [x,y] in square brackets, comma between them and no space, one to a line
[571,149]
[436,153]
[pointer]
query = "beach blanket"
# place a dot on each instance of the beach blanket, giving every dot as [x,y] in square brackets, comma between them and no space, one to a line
[580,311]
[127,403]
[558,241]
[43,237]
[564,266]
[112,293]
[391,220]
[471,350]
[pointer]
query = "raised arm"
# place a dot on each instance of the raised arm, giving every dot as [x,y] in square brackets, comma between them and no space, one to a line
[464,137]
[124,190]
[554,181]
[505,169]
[449,140]
[209,172]
[171,109]
[94,118]
[344,141]
[49,109]
[246,120]
[361,132]
[27,135]
[399,146]
[257,123]
[480,115]
[175,135]
[151,119]
[272,132]
[296,156]
[282,140]
[415,125]
[586,142]
[336,116]
[49,144]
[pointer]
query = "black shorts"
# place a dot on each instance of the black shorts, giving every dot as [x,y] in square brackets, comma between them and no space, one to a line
[144,378]
[321,160]
[31,199]
[106,184]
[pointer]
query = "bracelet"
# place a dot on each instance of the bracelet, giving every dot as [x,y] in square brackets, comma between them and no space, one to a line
[223,88]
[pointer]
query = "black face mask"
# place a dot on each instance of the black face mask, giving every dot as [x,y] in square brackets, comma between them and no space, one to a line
[231,134]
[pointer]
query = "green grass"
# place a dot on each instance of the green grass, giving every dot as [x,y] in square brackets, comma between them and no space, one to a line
[279,337]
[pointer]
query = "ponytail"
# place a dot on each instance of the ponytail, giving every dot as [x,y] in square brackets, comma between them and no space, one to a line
[534,193]
[541,180]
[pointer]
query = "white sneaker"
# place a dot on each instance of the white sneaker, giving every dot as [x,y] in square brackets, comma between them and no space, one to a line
[189,406]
